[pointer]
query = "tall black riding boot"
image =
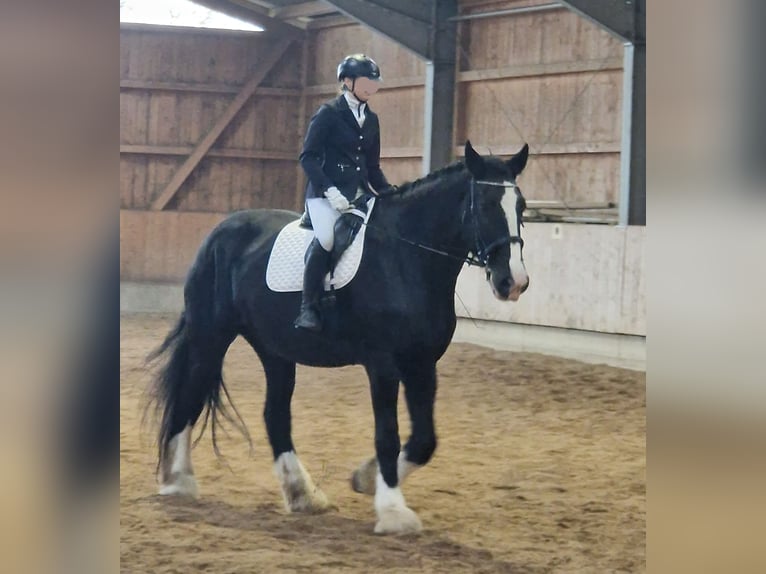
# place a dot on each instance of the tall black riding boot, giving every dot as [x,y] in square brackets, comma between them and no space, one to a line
[317,262]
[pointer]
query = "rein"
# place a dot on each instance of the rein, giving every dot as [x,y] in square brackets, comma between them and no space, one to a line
[481,249]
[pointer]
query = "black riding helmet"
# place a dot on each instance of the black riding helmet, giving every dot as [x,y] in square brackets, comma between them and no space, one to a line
[358,66]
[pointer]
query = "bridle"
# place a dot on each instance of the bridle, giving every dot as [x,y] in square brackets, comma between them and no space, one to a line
[481,251]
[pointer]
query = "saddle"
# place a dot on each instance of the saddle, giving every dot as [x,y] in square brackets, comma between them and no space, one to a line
[284,272]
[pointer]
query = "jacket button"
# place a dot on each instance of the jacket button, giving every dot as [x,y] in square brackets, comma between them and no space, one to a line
[358,169]
[359,148]
[361,137]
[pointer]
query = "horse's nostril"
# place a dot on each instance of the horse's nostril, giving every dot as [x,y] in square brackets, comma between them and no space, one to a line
[525,286]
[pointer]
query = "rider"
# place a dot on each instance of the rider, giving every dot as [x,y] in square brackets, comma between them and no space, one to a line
[341,158]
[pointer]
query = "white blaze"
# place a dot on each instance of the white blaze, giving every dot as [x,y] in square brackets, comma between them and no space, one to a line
[518,271]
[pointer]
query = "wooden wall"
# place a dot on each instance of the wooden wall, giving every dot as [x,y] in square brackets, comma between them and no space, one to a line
[174,85]
[551,78]
[159,246]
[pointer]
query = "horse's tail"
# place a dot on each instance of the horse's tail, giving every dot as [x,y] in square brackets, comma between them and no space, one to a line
[190,376]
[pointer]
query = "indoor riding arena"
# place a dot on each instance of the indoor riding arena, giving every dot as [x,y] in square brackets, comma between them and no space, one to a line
[540,407]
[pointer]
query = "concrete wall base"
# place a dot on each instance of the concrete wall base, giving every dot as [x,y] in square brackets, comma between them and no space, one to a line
[151,298]
[627,351]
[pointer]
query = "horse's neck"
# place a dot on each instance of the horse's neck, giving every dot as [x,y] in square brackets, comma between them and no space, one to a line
[434,216]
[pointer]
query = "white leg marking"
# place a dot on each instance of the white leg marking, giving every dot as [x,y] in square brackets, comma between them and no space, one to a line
[298,490]
[177,472]
[393,514]
[404,467]
[363,478]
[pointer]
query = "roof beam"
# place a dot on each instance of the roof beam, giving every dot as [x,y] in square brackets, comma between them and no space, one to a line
[305,10]
[406,22]
[330,21]
[625,19]
[253,14]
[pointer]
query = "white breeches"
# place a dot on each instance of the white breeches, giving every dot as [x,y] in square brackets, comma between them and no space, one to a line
[323,218]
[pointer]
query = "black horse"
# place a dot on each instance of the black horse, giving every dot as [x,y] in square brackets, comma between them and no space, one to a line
[396,318]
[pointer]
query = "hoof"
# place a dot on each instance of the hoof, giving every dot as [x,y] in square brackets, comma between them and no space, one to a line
[180,485]
[398,520]
[309,503]
[363,478]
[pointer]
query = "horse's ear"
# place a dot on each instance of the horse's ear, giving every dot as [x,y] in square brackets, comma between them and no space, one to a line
[516,163]
[473,161]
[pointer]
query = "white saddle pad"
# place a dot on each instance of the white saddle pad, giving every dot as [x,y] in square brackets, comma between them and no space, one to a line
[285,269]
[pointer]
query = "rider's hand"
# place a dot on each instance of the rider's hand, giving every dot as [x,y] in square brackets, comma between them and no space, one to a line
[336,199]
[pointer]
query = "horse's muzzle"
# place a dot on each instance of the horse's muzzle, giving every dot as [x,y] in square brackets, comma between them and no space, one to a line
[507,290]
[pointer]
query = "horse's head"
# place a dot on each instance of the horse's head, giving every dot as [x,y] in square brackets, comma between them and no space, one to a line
[495,209]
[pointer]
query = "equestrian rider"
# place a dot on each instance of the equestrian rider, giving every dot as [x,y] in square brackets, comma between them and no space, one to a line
[341,158]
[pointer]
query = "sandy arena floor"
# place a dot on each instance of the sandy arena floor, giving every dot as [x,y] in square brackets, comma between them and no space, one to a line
[540,468]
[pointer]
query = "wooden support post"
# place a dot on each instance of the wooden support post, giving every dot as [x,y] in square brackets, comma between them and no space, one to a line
[264,66]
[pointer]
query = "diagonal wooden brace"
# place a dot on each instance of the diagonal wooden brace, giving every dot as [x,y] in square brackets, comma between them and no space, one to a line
[264,66]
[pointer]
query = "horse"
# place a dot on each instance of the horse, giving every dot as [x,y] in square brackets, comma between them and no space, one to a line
[396,318]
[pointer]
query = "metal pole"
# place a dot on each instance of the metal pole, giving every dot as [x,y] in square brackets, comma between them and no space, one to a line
[627,132]
[428,111]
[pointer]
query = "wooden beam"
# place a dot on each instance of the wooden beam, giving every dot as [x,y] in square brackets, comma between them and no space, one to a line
[151,85]
[398,20]
[268,61]
[331,22]
[531,70]
[305,10]
[224,152]
[548,149]
[525,71]
[186,30]
[253,14]
[402,152]
[618,17]
[408,82]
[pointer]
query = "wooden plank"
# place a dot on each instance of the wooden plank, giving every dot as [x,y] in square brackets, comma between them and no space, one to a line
[161,246]
[405,152]
[204,88]
[330,22]
[555,206]
[250,12]
[304,10]
[137,28]
[268,62]
[186,150]
[548,149]
[409,82]
[531,70]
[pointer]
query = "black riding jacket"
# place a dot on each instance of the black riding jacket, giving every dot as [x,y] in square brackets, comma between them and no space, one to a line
[337,152]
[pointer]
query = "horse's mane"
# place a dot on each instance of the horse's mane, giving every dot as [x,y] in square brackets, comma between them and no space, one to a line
[420,187]
[443,176]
